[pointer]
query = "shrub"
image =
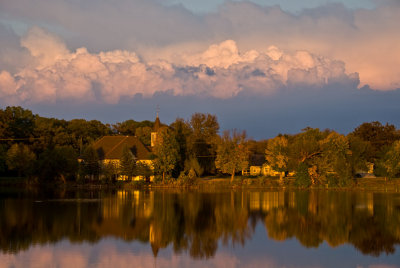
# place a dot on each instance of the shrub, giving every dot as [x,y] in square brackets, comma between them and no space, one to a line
[302,177]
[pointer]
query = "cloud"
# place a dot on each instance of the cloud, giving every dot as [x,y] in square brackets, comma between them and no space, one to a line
[221,71]
[45,47]
[366,40]
[106,254]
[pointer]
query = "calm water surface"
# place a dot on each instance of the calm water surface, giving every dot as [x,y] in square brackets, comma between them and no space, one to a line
[199,229]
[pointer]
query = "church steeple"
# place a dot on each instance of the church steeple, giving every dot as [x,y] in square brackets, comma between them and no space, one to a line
[156,127]
[157,124]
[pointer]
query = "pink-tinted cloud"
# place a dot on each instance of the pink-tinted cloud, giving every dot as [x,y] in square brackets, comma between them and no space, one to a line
[105,254]
[366,40]
[221,71]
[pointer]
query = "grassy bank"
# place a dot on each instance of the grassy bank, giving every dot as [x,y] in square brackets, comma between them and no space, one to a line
[214,183]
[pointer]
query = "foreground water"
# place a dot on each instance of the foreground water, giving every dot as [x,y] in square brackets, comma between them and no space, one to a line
[199,229]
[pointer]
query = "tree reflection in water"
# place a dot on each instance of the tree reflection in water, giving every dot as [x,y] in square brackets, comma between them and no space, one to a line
[195,222]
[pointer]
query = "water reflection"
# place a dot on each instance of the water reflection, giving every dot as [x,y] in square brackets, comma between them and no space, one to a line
[197,223]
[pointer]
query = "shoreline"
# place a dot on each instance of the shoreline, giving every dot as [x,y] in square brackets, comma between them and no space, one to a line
[378,184]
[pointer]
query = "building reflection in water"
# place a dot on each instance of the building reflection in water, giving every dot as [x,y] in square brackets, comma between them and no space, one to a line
[199,222]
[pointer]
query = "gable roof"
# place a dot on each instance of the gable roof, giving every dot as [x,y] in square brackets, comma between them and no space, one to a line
[256,160]
[111,147]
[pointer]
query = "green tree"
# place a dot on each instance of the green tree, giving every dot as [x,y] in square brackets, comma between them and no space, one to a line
[109,171]
[302,175]
[232,153]
[127,127]
[130,127]
[16,122]
[86,132]
[257,147]
[192,164]
[57,163]
[202,142]
[128,163]
[182,132]
[3,158]
[50,132]
[334,159]
[142,169]
[144,134]
[167,154]
[359,153]
[324,153]
[391,161]
[20,158]
[277,154]
[379,136]
[305,146]
[90,165]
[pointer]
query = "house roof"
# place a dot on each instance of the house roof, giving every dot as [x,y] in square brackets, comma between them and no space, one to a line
[256,159]
[111,147]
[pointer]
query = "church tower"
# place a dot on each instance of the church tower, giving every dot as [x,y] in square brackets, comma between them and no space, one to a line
[156,128]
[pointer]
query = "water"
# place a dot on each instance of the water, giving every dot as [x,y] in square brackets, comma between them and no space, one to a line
[199,229]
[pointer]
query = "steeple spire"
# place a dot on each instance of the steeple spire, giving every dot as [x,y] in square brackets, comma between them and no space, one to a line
[156,127]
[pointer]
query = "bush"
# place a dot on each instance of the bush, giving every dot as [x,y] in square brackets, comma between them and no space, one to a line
[332,180]
[302,177]
[187,178]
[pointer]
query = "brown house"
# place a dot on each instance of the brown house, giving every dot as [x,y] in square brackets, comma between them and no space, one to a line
[111,147]
[110,150]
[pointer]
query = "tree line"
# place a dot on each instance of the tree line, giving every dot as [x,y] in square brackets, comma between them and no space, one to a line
[327,157]
[47,149]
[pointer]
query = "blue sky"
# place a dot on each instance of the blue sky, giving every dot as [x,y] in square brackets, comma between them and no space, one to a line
[267,67]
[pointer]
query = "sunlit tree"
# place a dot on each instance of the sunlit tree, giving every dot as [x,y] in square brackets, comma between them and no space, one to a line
[277,154]
[202,140]
[232,153]
[391,160]
[166,151]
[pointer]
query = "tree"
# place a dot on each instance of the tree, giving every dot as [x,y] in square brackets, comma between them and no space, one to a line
[359,153]
[130,127]
[391,160]
[202,141]
[323,153]
[127,127]
[128,163]
[191,164]
[232,153]
[3,158]
[142,169]
[182,132]
[90,162]
[277,154]
[333,160]
[144,135]
[16,122]
[20,158]
[379,136]
[57,163]
[87,131]
[166,150]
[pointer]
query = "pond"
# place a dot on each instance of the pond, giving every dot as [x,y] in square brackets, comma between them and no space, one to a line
[180,228]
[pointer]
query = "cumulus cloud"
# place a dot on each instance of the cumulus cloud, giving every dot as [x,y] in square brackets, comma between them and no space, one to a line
[106,254]
[221,71]
[366,40]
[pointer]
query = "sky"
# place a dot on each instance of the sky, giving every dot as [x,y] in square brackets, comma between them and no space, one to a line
[264,66]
